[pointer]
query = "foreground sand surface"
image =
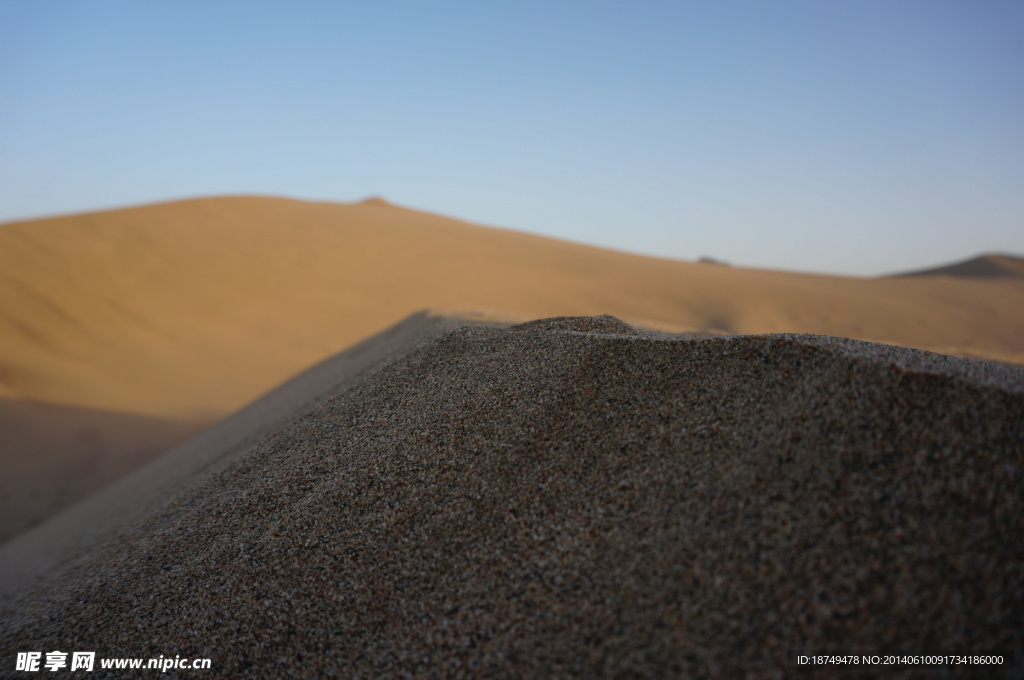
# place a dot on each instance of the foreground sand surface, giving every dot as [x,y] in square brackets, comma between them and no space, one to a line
[569,497]
[176,315]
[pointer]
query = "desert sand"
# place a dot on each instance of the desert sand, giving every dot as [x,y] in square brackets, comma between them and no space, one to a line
[566,497]
[125,331]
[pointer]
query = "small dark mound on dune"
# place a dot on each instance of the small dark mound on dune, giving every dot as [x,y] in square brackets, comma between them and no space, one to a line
[568,498]
[993,266]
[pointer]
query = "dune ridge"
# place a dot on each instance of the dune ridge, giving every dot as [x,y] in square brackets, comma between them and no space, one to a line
[576,497]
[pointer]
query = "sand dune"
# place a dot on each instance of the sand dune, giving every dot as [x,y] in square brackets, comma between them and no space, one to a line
[186,311]
[981,267]
[570,497]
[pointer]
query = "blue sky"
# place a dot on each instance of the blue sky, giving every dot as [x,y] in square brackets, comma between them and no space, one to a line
[855,137]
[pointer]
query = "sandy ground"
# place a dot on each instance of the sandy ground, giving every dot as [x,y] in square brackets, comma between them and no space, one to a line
[563,498]
[169,317]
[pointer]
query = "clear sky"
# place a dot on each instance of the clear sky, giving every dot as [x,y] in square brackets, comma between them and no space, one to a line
[858,137]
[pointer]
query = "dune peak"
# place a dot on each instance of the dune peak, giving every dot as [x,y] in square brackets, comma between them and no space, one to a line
[376,200]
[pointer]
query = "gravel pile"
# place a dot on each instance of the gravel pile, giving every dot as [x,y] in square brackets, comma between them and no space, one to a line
[573,498]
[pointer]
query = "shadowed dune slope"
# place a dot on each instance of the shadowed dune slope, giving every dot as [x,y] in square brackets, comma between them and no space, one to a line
[52,456]
[576,498]
[188,310]
[981,267]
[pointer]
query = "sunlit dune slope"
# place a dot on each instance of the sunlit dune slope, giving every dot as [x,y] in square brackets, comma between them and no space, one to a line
[188,310]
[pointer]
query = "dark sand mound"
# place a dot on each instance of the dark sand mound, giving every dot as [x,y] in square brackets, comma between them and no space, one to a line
[981,267]
[572,499]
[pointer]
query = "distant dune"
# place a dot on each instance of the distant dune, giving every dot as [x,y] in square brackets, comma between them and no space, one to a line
[992,266]
[181,313]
